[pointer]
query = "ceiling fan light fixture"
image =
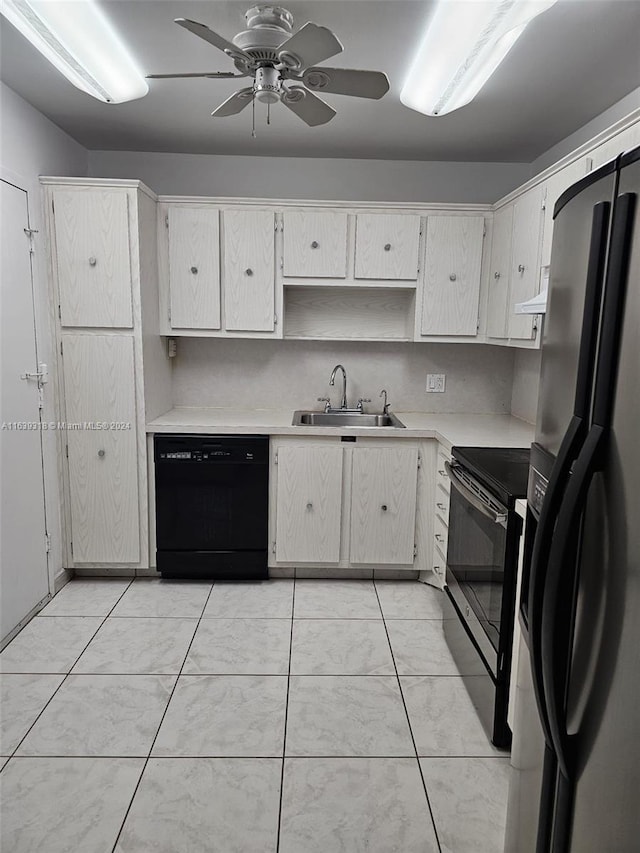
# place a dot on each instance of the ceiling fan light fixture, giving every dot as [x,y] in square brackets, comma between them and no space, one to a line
[82,44]
[267,85]
[462,46]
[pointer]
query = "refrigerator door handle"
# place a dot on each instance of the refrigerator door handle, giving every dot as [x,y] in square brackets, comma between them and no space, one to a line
[569,449]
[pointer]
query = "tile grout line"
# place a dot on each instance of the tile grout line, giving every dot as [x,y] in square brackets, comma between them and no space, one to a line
[286,714]
[406,711]
[66,674]
[155,737]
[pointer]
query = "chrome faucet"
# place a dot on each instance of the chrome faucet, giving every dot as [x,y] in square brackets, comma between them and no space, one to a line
[332,381]
[385,408]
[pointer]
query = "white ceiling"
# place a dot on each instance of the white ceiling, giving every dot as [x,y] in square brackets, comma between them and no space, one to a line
[572,62]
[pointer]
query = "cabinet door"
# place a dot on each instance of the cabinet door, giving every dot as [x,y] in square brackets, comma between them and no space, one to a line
[315,244]
[499,273]
[387,246]
[194,268]
[92,258]
[553,189]
[248,270]
[383,505]
[525,260]
[309,504]
[452,275]
[103,466]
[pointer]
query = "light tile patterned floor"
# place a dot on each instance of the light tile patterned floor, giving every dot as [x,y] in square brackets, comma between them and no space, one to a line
[306,716]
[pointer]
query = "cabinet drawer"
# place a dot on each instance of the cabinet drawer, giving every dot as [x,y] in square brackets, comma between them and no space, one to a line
[439,563]
[442,478]
[441,534]
[315,244]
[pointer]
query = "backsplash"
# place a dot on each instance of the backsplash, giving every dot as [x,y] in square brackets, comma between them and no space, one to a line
[293,374]
[526,381]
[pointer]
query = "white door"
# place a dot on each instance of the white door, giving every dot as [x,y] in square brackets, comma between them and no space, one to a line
[452,275]
[387,246]
[194,267]
[499,272]
[23,555]
[309,504]
[92,253]
[315,244]
[248,270]
[384,486]
[99,384]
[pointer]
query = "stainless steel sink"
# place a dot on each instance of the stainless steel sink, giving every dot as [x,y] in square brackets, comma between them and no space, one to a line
[345,419]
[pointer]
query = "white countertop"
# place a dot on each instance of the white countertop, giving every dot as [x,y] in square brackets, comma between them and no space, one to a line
[462,429]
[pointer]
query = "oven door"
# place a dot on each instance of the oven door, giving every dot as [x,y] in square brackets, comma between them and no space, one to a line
[476,557]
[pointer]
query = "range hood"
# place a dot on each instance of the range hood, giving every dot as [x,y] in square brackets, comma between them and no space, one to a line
[537,304]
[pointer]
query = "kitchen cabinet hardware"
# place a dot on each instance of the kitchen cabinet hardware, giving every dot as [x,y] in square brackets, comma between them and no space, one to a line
[248,271]
[194,270]
[101,454]
[441,506]
[452,277]
[387,247]
[315,244]
[309,505]
[520,268]
[92,261]
[439,537]
[496,275]
[383,507]
[442,472]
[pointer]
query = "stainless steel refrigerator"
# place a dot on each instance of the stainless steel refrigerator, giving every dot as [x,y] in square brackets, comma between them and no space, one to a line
[575,782]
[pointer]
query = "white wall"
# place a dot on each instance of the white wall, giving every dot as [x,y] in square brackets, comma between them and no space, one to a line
[31,145]
[306,177]
[600,123]
[526,381]
[293,374]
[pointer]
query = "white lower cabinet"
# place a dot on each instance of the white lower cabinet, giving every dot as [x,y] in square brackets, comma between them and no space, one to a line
[383,505]
[349,504]
[309,504]
[103,462]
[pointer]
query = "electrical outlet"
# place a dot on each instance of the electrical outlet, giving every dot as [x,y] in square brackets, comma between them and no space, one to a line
[435,382]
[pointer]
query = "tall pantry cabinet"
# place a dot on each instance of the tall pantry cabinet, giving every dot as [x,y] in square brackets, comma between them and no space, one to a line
[102,237]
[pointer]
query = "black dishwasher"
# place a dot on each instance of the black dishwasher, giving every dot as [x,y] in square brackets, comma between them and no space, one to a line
[212,496]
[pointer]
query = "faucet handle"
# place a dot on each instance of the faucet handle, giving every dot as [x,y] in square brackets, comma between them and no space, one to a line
[361,401]
[326,401]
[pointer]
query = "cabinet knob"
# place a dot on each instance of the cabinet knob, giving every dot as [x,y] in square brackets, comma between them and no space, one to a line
[248,271]
[453,277]
[521,268]
[309,505]
[439,538]
[383,507]
[387,247]
[442,472]
[194,270]
[92,261]
[496,275]
[315,244]
[101,454]
[441,506]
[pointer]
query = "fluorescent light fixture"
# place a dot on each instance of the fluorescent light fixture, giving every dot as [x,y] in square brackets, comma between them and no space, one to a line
[78,39]
[463,45]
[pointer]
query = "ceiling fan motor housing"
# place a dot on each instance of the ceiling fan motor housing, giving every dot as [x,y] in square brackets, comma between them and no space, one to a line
[268,28]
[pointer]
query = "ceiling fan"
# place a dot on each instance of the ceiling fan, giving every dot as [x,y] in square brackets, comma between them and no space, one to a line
[283,65]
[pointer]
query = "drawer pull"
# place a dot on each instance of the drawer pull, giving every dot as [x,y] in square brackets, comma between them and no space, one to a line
[439,537]
[441,506]
[442,472]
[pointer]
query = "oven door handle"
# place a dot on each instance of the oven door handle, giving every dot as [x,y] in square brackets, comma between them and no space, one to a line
[497,517]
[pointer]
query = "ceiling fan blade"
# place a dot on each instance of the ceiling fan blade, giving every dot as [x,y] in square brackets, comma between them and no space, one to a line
[307,106]
[309,45]
[346,81]
[235,104]
[204,32]
[213,74]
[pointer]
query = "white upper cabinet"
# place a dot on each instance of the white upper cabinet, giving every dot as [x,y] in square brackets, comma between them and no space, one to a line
[553,188]
[499,271]
[103,464]
[309,504]
[387,246]
[194,267]
[525,260]
[92,258]
[248,270]
[383,505]
[315,244]
[452,275]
